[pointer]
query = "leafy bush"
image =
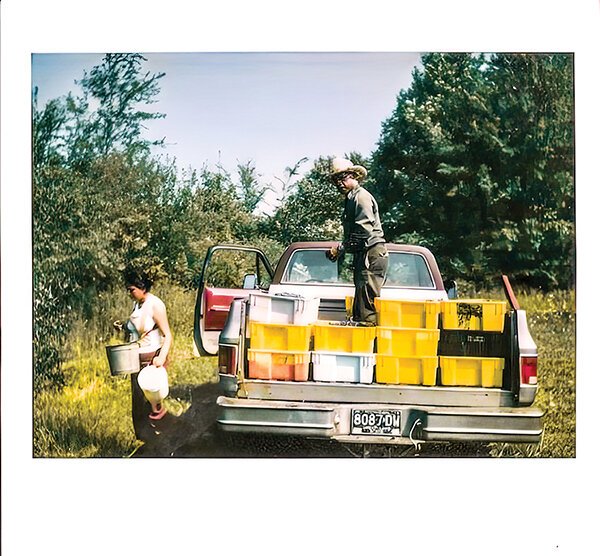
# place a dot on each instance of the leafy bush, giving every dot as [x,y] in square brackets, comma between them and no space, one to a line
[101,202]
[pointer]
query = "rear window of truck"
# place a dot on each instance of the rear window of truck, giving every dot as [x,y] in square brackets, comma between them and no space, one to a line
[408,270]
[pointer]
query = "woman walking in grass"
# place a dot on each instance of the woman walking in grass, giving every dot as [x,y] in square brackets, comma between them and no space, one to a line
[148,324]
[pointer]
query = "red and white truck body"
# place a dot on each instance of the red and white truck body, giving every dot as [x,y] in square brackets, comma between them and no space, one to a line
[342,411]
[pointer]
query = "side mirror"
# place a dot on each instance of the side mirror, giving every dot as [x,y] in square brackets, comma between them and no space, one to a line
[250,281]
[451,289]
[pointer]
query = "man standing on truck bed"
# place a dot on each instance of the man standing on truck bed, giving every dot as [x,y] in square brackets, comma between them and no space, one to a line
[363,237]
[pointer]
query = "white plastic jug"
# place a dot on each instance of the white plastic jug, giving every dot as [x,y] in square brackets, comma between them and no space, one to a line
[155,384]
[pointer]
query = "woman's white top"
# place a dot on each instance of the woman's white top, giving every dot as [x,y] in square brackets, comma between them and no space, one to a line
[144,322]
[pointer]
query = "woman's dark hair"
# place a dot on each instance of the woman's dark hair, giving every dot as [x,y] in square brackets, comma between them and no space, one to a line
[137,278]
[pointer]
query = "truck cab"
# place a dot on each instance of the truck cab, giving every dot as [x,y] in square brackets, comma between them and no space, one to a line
[341,410]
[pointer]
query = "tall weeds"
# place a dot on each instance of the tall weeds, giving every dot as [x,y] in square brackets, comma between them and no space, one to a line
[551,320]
[90,415]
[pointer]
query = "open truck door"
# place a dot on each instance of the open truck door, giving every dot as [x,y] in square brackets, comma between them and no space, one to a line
[229,272]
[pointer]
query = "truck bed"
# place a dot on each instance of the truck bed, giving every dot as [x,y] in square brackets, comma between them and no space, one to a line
[339,392]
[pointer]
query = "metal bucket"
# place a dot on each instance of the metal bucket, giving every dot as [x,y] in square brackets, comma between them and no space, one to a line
[123,359]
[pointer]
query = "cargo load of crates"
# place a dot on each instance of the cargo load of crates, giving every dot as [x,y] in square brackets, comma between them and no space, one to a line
[472,343]
[425,343]
[280,332]
[343,353]
[407,341]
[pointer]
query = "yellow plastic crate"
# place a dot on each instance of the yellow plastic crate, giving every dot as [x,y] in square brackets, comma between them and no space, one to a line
[407,314]
[473,314]
[471,371]
[406,370]
[346,339]
[280,337]
[278,365]
[407,342]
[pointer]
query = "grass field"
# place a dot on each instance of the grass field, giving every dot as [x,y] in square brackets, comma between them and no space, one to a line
[90,415]
[551,320]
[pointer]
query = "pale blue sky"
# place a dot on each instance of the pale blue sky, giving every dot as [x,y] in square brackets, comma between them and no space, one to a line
[271,108]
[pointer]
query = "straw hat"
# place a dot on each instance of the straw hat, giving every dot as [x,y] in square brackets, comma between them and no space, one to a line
[340,165]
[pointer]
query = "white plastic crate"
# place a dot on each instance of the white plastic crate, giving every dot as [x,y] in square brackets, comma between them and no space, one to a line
[280,309]
[343,367]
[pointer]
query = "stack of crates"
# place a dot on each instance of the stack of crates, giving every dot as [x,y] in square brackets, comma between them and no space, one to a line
[343,353]
[471,330]
[280,329]
[407,341]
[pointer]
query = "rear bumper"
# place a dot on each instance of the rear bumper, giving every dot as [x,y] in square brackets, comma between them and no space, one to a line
[424,424]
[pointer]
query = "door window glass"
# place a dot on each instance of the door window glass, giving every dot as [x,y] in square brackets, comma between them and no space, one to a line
[408,270]
[311,265]
[227,268]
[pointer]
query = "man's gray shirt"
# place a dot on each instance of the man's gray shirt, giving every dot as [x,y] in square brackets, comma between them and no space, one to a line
[361,220]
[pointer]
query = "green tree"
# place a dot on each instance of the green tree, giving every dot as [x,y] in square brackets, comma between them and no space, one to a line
[74,207]
[461,161]
[250,191]
[533,101]
[312,209]
[121,88]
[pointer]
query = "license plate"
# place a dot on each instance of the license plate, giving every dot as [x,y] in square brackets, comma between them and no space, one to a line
[377,421]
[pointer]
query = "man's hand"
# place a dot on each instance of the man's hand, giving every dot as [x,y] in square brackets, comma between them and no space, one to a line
[333,253]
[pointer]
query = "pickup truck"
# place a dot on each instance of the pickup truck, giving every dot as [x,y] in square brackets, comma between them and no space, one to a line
[310,409]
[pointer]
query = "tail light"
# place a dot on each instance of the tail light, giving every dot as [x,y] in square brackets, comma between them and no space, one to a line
[228,360]
[529,370]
